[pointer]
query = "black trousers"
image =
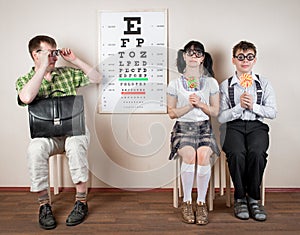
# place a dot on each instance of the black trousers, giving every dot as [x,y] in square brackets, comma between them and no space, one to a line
[245,144]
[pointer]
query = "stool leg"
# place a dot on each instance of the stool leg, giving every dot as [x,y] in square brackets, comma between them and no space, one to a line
[228,187]
[56,167]
[262,193]
[221,179]
[175,184]
[50,175]
[180,194]
[211,189]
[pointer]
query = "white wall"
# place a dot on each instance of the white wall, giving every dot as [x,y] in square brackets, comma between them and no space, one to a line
[132,150]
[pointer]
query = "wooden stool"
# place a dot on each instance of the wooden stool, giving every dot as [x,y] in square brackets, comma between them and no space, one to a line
[229,183]
[56,171]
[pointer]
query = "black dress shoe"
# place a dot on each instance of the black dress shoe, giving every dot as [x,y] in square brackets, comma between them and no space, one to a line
[78,214]
[46,218]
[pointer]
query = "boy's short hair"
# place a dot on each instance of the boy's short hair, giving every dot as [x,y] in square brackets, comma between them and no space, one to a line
[34,43]
[244,46]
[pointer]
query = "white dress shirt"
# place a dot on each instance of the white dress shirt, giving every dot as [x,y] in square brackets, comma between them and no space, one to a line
[208,87]
[267,108]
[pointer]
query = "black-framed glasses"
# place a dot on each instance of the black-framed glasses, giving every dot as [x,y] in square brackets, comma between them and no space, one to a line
[191,52]
[242,57]
[52,53]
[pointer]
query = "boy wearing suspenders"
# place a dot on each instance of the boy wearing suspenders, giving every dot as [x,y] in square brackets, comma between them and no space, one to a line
[244,136]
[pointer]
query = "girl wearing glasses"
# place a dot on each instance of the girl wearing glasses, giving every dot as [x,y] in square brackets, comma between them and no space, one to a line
[192,98]
[244,136]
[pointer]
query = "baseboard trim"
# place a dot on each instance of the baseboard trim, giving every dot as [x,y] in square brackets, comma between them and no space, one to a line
[71,189]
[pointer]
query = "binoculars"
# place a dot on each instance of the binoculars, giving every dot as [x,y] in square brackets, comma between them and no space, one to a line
[55,53]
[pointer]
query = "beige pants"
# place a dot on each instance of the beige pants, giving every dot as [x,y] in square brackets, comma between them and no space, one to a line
[40,149]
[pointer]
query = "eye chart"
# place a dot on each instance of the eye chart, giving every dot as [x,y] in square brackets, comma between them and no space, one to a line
[133,61]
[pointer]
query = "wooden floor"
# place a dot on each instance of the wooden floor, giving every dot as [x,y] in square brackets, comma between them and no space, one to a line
[145,212]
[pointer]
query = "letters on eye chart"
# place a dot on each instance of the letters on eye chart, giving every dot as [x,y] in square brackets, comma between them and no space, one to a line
[133,62]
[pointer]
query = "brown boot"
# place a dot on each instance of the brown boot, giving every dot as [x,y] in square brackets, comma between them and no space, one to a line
[201,213]
[187,213]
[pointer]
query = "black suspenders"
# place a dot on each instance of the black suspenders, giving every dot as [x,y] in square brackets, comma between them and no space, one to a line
[231,91]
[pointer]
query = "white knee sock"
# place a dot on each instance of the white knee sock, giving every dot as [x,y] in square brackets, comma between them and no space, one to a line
[203,176]
[187,179]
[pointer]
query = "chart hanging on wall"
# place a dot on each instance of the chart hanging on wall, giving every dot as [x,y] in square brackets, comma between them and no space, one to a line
[133,61]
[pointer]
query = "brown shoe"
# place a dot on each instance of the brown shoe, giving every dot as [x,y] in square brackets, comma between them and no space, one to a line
[201,213]
[187,213]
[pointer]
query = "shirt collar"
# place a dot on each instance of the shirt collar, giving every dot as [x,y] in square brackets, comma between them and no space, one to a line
[235,79]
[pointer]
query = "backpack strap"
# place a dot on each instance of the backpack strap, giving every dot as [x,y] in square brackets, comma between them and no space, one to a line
[231,91]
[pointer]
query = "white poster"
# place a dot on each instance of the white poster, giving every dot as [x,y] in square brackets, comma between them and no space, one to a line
[133,62]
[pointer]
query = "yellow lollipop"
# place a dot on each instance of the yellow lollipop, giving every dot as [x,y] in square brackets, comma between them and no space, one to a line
[246,80]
